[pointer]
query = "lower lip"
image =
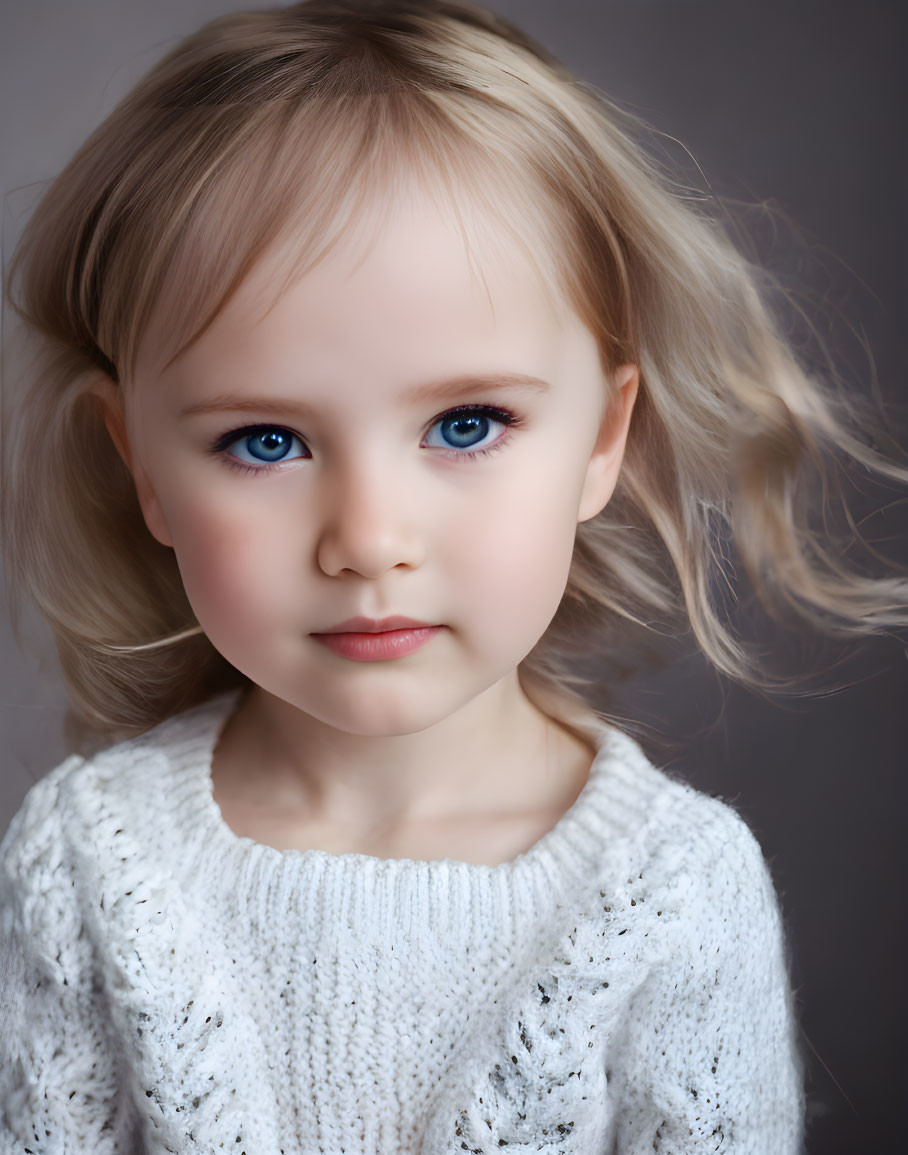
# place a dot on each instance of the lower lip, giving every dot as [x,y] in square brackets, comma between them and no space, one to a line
[378,647]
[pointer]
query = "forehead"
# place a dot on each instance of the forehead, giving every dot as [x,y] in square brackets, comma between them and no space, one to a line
[411,276]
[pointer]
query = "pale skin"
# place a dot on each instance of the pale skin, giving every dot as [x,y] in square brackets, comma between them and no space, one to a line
[375,512]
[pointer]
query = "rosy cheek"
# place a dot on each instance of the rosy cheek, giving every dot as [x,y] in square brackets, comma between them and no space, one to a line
[221,568]
[519,559]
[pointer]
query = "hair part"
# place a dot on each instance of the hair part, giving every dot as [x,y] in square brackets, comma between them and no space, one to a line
[290,129]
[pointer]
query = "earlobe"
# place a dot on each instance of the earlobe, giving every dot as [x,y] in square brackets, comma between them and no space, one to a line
[151,509]
[111,401]
[608,452]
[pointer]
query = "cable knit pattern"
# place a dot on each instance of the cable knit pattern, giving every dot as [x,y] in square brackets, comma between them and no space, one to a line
[167,986]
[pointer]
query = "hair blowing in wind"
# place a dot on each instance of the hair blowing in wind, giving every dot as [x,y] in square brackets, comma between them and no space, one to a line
[285,126]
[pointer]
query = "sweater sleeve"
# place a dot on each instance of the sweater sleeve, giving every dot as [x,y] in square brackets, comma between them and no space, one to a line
[58,1072]
[710,1061]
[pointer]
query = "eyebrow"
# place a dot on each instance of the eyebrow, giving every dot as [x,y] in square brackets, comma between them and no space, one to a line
[431,391]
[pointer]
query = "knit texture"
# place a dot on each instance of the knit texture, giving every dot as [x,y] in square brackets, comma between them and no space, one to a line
[168,986]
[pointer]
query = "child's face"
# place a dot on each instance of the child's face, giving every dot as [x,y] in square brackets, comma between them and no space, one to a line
[376,507]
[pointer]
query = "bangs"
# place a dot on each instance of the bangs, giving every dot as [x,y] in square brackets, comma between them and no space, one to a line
[295,183]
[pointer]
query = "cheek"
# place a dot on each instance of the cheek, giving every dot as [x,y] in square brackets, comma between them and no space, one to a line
[517,562]
[229,566]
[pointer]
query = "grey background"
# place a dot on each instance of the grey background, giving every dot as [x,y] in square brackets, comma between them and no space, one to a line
[800,104]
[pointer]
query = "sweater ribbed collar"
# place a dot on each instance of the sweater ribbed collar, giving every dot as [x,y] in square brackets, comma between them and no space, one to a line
[589,841]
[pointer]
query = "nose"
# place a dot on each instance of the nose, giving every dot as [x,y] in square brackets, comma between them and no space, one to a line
[367,525]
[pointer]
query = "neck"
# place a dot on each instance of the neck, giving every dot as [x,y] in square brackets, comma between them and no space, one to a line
[497,755]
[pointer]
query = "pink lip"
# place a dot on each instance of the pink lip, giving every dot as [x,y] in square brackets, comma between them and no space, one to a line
[371,626]
[378,645]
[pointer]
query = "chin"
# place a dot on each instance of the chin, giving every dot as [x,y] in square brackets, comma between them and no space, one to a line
[369,717]
[387,724]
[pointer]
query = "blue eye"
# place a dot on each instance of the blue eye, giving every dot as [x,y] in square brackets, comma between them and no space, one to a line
[263,445]
[469,429]
[472,431]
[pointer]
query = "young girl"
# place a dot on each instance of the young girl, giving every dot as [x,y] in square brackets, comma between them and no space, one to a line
[377,376]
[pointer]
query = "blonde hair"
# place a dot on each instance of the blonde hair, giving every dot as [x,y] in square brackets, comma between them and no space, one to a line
[284,126]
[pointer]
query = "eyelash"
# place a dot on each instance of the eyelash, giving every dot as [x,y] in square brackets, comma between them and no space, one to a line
[504,416]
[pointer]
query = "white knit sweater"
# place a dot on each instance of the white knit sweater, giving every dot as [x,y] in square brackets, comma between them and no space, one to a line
[167,986]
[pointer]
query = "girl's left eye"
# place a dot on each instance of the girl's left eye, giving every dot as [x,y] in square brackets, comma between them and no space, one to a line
[466,432]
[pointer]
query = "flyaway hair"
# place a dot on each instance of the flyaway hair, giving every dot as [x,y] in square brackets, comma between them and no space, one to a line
[292,126]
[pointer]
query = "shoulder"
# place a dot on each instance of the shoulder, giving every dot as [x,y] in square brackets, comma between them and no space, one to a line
[74,812]
[34,835]
[697,830]
[709,872]
[58,810]
[693,853]
[37,878]
[670,823]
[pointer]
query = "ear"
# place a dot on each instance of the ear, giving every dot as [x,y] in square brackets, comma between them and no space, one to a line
[608,452]
[110,397]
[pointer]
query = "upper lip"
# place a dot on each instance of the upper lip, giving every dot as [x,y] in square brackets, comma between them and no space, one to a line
[371,626]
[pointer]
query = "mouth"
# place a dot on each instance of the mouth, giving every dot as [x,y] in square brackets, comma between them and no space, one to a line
[384,644]
[373,626]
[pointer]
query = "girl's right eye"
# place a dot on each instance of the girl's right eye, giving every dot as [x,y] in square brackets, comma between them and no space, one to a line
[268,445]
